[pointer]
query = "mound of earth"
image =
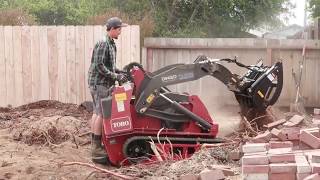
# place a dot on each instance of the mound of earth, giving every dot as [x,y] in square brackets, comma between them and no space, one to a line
[37,139]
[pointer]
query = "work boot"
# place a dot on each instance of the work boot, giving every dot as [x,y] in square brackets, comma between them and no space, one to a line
[98,154]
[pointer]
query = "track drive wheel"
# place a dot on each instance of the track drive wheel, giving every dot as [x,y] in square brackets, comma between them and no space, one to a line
[137,150]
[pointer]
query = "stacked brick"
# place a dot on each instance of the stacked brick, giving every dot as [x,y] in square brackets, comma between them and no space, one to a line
[288,153]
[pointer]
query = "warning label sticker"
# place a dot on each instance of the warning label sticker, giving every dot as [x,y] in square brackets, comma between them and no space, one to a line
[121,97]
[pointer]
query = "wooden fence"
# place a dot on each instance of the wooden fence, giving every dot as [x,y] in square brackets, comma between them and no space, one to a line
[160,52]
[51,62]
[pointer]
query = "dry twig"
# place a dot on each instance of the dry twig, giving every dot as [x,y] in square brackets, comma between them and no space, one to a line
[99,169]
[84,134]
[248,126]
[218,145]
[155,151]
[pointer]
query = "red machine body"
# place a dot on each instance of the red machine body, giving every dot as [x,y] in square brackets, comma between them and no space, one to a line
[125,123]
[143,110]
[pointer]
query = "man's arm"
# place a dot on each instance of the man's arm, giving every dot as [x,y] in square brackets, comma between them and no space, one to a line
[101,52]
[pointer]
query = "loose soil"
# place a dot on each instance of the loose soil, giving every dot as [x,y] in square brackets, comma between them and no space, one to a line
[37,139]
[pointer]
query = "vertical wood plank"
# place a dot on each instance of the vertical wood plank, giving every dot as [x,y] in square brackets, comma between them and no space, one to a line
[36,63]
[26,65]
[17,56]
[80,64]
[171,57]
[119,43]
[10,74]
[71,75]
[182,57]
[53,62]
[89,45]
[44,64]
[135,44]
[62,64]
[125,48]
[98,33]
[317,89]
[3,84]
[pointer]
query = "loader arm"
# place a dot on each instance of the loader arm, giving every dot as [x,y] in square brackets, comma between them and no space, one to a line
[258,88]
[175,74]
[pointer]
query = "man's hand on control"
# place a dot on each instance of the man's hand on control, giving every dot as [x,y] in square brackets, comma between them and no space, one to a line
[121,78]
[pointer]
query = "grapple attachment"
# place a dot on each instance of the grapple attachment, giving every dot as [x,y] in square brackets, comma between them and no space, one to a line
[260,87]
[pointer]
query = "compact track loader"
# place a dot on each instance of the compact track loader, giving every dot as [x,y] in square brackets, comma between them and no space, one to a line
[143,109]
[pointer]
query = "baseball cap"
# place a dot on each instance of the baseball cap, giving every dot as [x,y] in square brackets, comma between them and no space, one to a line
[115,22]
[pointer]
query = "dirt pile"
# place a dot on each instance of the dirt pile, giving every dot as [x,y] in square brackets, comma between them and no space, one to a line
[37,139]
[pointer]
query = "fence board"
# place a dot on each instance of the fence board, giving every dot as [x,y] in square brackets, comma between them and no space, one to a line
[9,64]
[89,44]
[134,44]
[44,64]
[125,48]
[36,63]
[62,64]
[26,64]
[3,84]
[80,63]
[71,75]
[51,62]
[17,56]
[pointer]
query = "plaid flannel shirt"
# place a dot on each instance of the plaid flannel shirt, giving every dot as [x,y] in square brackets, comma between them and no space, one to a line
[103,62]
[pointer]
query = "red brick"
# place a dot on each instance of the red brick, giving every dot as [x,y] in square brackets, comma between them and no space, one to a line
[280,144]
[283,168]
[303,165]
[255,160]
[315,158]
[310,153]
[282,176]
[255,147]
[281,158]
[313,131]
[262,138]
[313,177]
[304,146]
[275,123]
[208,174]
[256,176]
[301,176]
[295,120]
[255,169]
[315,167]
[291,133]
[189,177]
[316,120]
[278,134]
[280,151]
[257,153]
[310,140]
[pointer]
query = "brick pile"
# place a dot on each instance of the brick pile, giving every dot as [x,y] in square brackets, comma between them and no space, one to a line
[284,152]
